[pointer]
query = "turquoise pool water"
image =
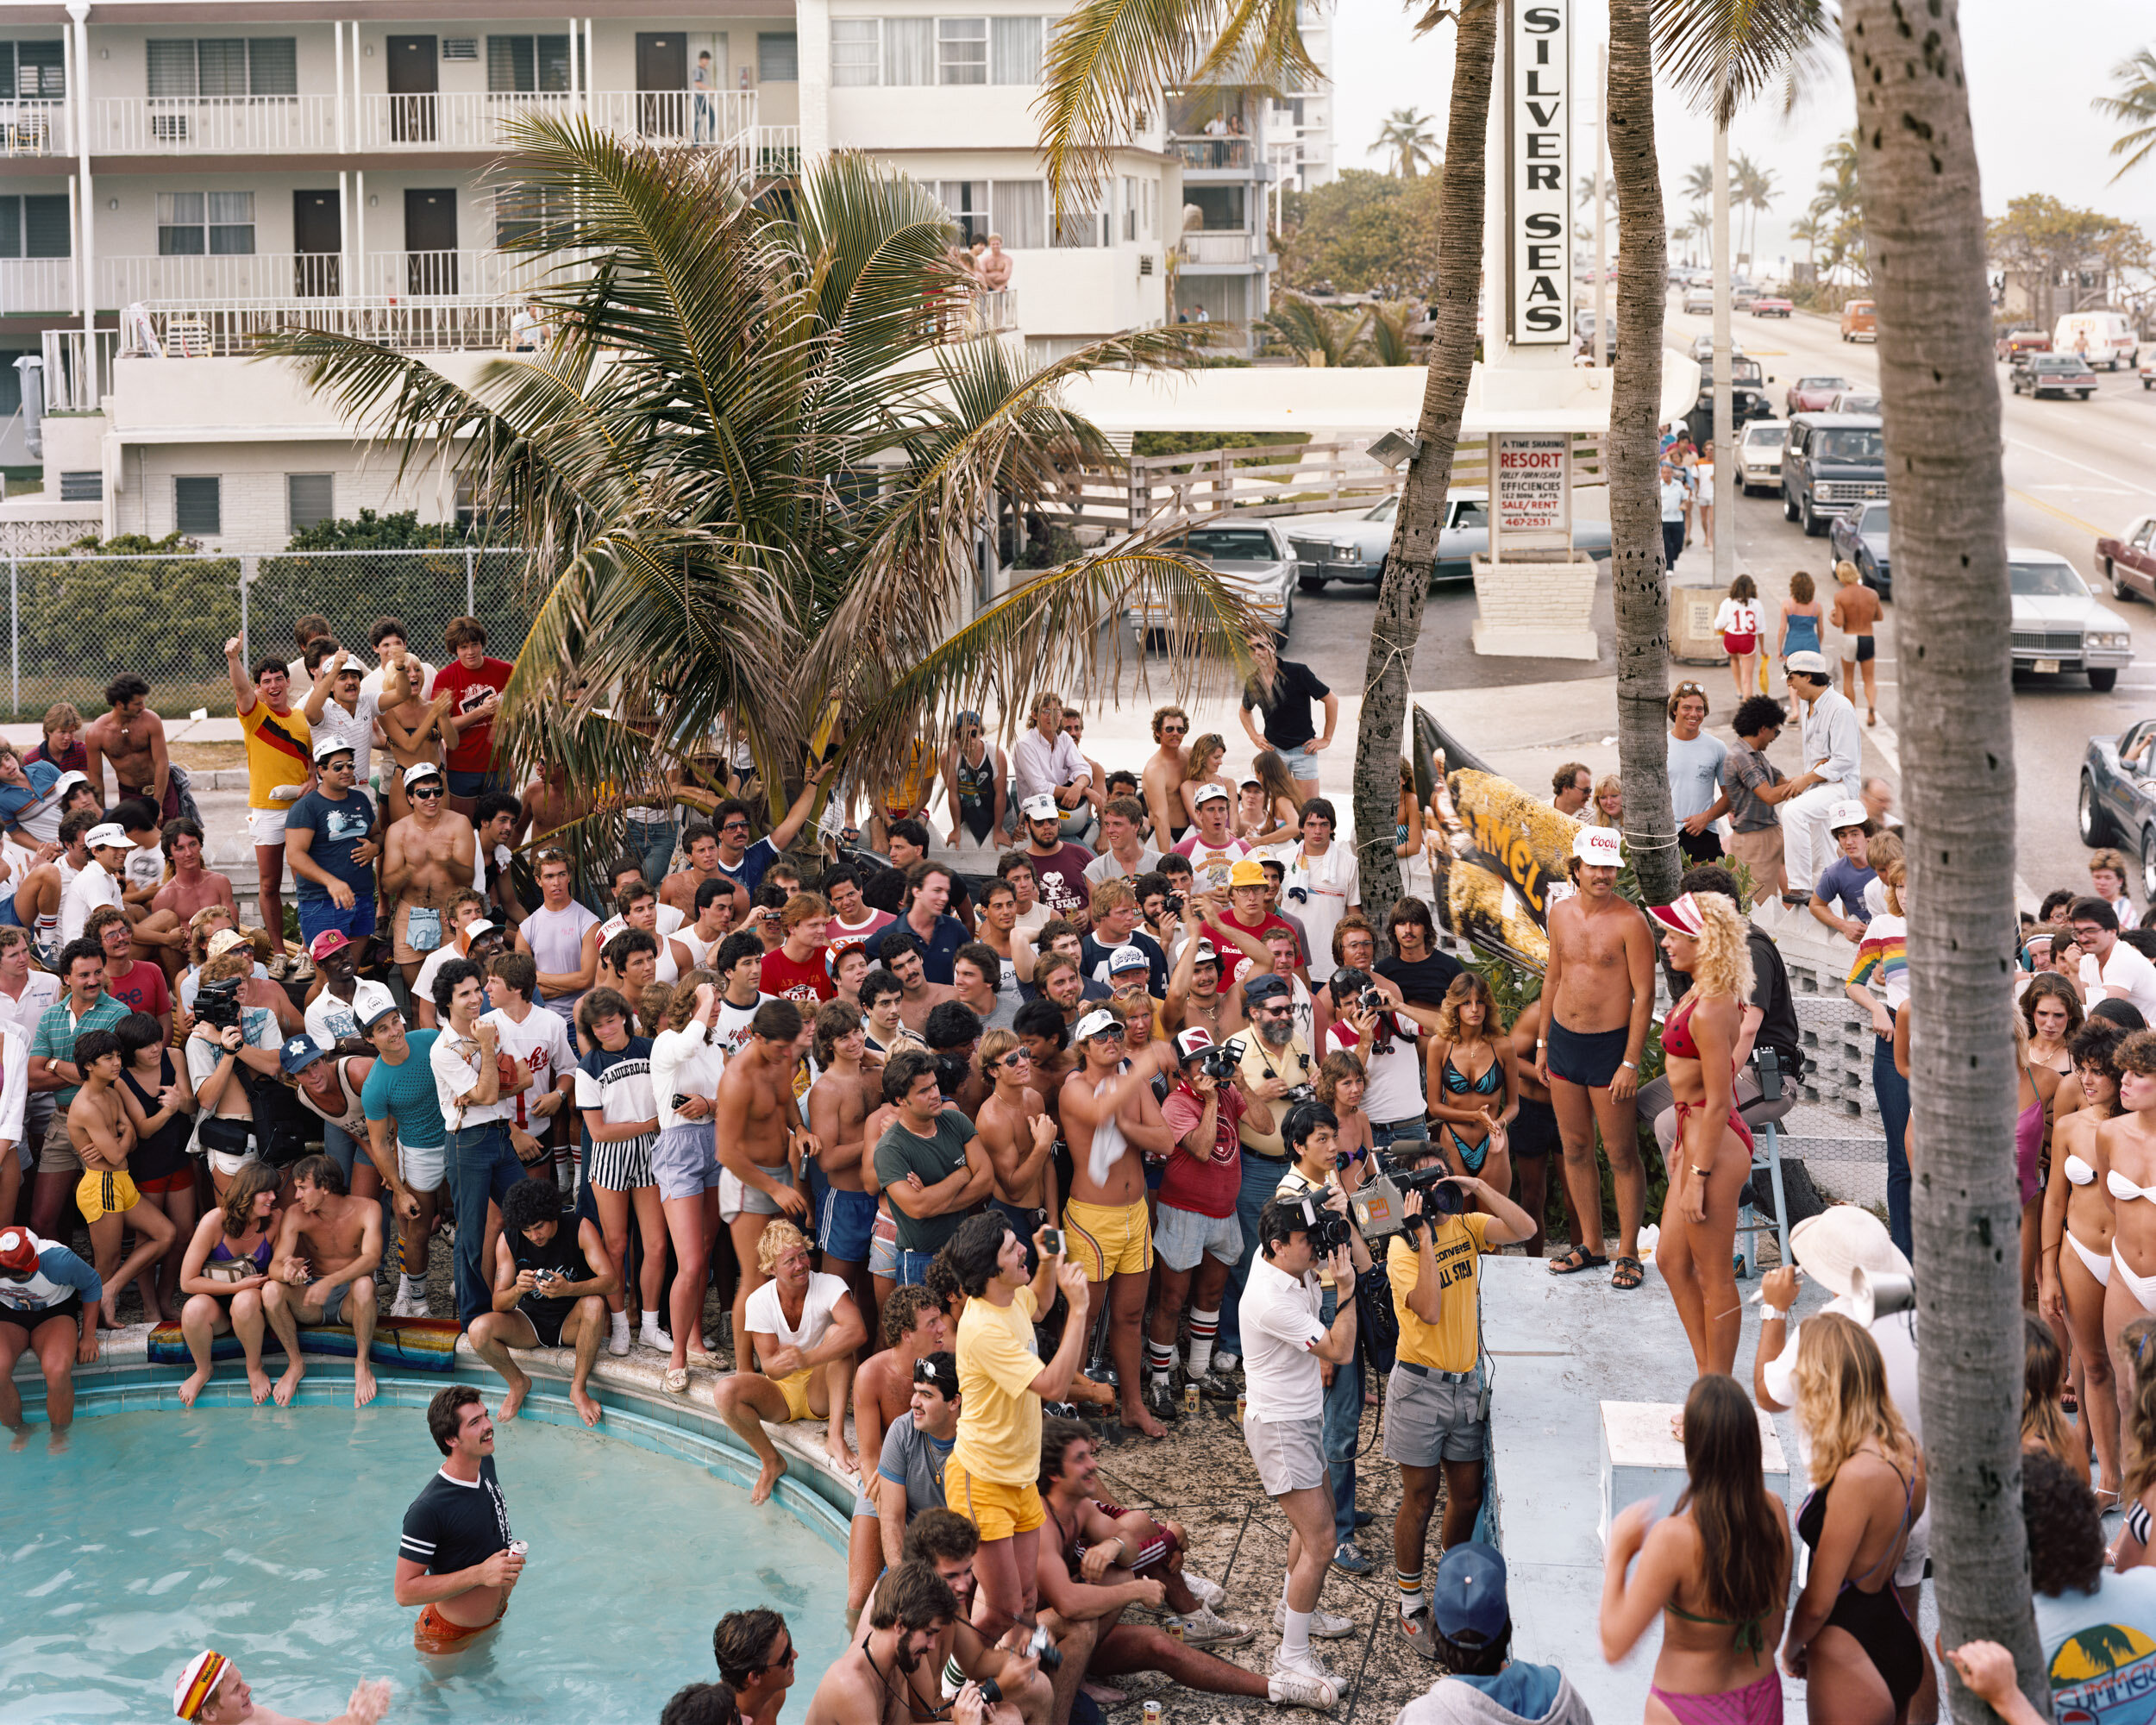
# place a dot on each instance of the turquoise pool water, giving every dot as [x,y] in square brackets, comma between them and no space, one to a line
[271,1535]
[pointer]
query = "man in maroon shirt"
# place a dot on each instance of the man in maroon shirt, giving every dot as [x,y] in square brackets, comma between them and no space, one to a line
[796,969]
[1059,868]
[475,683]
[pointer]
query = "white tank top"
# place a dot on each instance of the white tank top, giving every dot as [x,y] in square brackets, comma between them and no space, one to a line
[352,1120]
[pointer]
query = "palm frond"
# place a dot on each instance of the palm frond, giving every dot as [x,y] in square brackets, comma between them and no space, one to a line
[2133,107]
[1722,54]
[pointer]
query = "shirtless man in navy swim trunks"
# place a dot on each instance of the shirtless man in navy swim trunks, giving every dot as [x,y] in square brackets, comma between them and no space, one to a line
[1598,992]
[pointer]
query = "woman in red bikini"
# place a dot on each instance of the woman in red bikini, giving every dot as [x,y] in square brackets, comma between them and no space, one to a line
[1714,1565]
[1704,936]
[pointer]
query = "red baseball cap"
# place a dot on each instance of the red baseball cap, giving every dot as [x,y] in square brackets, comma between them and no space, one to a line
[18,1252]
[329,941]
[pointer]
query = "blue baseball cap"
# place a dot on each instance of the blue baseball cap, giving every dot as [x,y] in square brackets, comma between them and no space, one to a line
[1467,1601]
[298,1053]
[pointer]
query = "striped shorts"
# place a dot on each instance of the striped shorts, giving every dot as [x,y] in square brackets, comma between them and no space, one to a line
[622,1166]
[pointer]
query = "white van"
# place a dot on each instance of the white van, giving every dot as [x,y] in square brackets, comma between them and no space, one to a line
[2105,339]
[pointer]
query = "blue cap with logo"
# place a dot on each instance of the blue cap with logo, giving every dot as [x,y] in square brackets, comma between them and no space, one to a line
[298,1053]
[1467,1601]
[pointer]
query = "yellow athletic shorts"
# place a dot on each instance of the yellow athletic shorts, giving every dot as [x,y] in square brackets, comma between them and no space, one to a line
[795,1387]
[1108,1239]
[996,1510]
[104,1195]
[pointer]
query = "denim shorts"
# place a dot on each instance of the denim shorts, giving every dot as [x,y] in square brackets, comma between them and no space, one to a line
[1300,763]
[1387,1133]
[318,915]
[473,786]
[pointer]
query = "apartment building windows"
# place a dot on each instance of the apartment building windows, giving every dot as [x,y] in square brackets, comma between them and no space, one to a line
[33,71]
[856,53]
[962,50]
[1130,208]
[34,226]
[1014,50]
[193,224]
[224,66]
[527,66]
[199,506]
[778,57]
[943,50]
[309,498]
[523,212]
[1016,209]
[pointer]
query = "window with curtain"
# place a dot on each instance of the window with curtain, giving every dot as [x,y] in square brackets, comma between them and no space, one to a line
[193,224]
[962,50]
[856,53]
[778,57]
[224,66]
[1021,212]
[968,202]
[34,228]
[528,64]
[524,212]
[33,71]
[1014,51]
[1130,208]
[909,51]
[1078,228]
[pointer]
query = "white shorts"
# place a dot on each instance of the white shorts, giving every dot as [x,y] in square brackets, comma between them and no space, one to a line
[266,827]
[1180,1238]
[735,1196]
[424,1167]
[222,1161]
[1289,1453]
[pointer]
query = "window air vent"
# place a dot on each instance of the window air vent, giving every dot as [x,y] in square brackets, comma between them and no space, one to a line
[459,47]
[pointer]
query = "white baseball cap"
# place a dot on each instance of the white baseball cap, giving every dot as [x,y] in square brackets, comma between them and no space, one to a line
[1094,1022]
[1128,958]
[371,1002]
[420,771]
[106,833]
[1599,846]
[326,745]
[1210,793]
[1041,806]
[1806,663]
[1847,813]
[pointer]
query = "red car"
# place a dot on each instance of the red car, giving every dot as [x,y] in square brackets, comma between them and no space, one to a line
[1772,308]
[1812,394]
[2128,562]
[2017,341]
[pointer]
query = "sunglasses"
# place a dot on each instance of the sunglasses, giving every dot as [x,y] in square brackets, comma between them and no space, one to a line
[735,826]
[1114,1032]
[785,1659]
[428,795]
[1016,1057]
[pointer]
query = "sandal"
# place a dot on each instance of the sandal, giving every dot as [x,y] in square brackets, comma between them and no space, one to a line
[676,1381]
[1575,1260]
[1627,1274]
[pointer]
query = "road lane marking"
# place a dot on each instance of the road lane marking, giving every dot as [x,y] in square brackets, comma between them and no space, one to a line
[2090,528]
[2068,460]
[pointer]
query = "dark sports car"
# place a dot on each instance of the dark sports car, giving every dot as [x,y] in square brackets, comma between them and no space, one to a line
[1859,536]
[2117,803]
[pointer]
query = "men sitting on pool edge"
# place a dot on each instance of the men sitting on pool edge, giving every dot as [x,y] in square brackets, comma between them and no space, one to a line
[550,1291]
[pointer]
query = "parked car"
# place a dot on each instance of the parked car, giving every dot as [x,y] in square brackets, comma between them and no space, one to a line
[1855,401]
[1771,306]
[2060,374]
[1702,348]
[2102,338]
[1759,455]
[1831,462]
[1859,321]
[2148,372]
[1254,556]
[2128,562]
[1812,394]
[2117,803]
[1351,548]
[1859,536]
[2016,342]
[1699,301]
[1747,401]
[2058,625]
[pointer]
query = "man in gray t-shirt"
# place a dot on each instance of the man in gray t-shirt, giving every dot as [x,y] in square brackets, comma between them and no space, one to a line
[909,1475]
[1695,774]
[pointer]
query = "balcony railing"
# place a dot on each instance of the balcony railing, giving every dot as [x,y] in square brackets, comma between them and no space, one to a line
[259,275]
[479,121]
[36,128]
[471,274]
[1204,151]
[78,368]
[212,125]
[37,285]
[677,116]
[233,327]
[1216,248]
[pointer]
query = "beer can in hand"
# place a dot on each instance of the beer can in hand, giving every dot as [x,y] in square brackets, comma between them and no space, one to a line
[518,1549]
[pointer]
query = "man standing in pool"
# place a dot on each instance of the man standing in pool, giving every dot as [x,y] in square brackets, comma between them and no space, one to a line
[456,1558]
[211,1691]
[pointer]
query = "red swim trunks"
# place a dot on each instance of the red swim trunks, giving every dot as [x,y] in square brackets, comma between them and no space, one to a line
[432,1633]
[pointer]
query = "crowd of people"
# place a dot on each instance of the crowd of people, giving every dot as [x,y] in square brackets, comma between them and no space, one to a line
[943,1159]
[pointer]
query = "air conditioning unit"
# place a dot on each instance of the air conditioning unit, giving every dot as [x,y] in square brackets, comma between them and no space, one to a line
[459,47]
[169,128]
[1145,263]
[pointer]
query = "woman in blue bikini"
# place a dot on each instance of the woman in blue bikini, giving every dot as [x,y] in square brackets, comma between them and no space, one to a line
[1473,1085]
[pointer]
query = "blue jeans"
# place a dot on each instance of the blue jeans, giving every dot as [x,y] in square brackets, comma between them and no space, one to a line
[1385,1134]
[913,1267]
[342,1148]
[652,844]
[1343,1429]
[1260,1181]
[1892,1091]
[482,1166]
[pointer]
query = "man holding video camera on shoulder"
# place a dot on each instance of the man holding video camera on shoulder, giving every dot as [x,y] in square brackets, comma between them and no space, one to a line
[1437,1401]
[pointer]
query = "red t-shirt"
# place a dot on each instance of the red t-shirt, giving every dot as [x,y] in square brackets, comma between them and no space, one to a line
[1233,960]
[1208,1189]
[474,752]
[843,938]
[141,990]
[807,985]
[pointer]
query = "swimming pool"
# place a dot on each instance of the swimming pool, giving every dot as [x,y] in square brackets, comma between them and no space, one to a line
[271,1534]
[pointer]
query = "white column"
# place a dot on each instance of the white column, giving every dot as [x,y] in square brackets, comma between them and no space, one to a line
[78,11]
[1602,347]
[813,25]
[344,228]
[587,68]
[337,25]
[74,261]
[359,221]
[1725,433]
[576,83]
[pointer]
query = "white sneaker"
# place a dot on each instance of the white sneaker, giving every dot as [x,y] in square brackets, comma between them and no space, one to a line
[1301,1682]
[1323,1624]
[402,1308]
[1203,1628]
[1224,1364]
[618,1341]
[653,1337]
[1210,1593]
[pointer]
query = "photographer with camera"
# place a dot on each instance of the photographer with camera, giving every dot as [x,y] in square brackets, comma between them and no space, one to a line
[226,1043]
[1437,1403]
[1195,1235]
[1284,1422]
[1277,1070]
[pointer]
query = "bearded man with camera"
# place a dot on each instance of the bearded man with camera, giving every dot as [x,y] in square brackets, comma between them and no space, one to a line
[1437,1401]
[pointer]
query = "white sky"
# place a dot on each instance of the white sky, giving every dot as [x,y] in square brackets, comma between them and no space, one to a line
[2029,90]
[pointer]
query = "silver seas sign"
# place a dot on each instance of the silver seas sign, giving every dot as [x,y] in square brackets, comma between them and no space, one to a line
[1538,169]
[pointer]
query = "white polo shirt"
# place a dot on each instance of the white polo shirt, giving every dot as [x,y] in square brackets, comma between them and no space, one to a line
[456,1073]
[2125,969]
[1282,1375]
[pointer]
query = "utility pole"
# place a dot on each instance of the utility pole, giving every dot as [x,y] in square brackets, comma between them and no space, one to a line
[1725,430]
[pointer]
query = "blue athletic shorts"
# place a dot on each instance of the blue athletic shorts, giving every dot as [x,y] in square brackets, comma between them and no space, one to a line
[849,1218]
[316,915]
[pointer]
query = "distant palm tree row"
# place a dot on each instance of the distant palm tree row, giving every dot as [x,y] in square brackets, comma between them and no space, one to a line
[1407,137]
[1752,191]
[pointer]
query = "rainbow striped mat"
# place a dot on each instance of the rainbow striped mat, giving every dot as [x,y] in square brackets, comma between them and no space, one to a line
[414,1344]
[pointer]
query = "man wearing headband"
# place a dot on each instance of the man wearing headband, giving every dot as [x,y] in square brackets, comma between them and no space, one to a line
[211,1691]
[909,1474]
[1599,992]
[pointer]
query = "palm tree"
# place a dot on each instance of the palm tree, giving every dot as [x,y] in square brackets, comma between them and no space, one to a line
[1407,134]
[752,479]
[1316,333]
[1753,188]
[1698,192]
[1916,162]
[2134,106]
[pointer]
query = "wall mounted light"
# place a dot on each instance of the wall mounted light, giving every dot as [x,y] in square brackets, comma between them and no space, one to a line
[112,203]
[374,200]
[368,51]
[105,53]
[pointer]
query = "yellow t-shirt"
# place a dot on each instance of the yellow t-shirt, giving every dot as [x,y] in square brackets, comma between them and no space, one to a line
[277,752]
[1457,1245]
[998,1415]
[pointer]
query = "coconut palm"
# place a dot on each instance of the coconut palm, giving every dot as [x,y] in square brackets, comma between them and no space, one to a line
[752,477]
[1698,192]
[2134,106]
[1753,189]
[1406,134]
[1316,334]
[1916,162]
[1385,337]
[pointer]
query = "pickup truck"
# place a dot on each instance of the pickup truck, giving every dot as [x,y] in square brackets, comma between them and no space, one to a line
[2128,562]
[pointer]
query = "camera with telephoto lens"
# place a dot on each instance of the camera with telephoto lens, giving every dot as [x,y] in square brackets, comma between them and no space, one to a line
[1220,1061]
[1380,1207]
[1327,1232]
[217,1004]
[1370,1001]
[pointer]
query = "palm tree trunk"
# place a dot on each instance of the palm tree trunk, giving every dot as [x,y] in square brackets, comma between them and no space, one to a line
[1924,220]
[1408,561]
[1634,448]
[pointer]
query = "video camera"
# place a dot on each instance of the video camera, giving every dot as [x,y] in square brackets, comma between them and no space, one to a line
[1327,1232]
[1381,1204]
[217,1004]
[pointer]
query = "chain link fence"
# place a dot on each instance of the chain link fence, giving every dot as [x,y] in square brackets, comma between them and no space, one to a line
[76,622]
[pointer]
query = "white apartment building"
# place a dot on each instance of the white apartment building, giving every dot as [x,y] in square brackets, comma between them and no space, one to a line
[230,165]
[1300,123]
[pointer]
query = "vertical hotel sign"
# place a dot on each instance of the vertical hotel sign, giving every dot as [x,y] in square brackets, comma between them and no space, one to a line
[1539,167]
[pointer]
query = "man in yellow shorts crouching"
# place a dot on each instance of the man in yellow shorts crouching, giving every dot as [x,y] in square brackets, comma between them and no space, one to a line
[993,1476]
[1108,1116]
[99,1131]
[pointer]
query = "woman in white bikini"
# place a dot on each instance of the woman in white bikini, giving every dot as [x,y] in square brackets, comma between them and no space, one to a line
[2077,1252]
[2125,1146]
